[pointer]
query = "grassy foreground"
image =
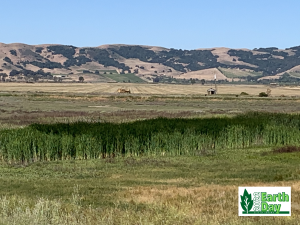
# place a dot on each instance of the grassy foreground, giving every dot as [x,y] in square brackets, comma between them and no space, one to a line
[145,190]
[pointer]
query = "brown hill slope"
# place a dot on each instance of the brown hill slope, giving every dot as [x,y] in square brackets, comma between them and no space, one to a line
[19,59]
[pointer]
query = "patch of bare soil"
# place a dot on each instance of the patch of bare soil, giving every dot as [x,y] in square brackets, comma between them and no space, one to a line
[286,149]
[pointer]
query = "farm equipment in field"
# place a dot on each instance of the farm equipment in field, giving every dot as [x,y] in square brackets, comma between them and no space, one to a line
[122,90]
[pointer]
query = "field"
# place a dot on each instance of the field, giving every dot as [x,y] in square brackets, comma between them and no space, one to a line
[165,154]
[145,89]
[104,76]
[232,73]
[126,78]
[295,74]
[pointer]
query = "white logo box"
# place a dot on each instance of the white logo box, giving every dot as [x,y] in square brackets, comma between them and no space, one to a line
[264,201]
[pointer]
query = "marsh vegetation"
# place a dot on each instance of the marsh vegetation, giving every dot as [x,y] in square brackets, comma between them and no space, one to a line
[143,159]
[155,137]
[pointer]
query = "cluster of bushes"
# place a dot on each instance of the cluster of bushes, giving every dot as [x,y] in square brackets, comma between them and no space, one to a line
[266,62]
[102,56]
[48,64]
[66,50]
[39,50]
[287,78]
[13,52]
[273,51]
[180,60]
[6,59]
[77,61]
[29,73]
[173,58]
[263,94]
[244,93]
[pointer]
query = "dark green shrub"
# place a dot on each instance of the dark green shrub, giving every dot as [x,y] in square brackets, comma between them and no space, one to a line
[244,93]
[263,94]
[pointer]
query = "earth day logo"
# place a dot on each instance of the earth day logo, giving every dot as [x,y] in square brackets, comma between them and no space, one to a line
[264,201]
[246,202]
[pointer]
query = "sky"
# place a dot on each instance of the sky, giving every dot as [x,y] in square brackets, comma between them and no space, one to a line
[189,24]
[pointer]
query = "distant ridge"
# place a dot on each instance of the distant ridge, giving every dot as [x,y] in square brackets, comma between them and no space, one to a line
[142,60]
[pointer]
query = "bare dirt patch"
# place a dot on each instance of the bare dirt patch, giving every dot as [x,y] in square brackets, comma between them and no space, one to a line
[286,149]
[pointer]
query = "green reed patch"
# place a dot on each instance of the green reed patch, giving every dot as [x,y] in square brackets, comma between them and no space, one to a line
[155,137]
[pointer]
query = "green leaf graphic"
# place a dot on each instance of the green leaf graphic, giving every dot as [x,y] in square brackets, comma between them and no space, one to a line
[246,201]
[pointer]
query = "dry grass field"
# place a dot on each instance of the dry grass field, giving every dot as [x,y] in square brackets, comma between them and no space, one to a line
[145,89]
[27,103]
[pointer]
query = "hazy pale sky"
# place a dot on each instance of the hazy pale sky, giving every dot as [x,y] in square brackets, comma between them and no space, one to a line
[188,24]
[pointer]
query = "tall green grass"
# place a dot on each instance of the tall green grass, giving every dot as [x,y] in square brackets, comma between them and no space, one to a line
[171,137]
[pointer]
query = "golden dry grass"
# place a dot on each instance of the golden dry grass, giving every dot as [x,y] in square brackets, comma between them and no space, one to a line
[207,74]
[224,57]
[149,68]
[148,89]
[208,204]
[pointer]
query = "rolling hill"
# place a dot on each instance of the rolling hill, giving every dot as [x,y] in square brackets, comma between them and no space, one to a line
[135,63]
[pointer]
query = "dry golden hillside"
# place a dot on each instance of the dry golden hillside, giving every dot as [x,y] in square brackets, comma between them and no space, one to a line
[145,62]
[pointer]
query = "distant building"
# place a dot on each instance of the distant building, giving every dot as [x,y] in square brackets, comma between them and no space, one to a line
[211,91]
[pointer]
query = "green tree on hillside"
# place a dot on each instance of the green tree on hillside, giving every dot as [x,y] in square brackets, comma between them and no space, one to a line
[81,79]
[13,52]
